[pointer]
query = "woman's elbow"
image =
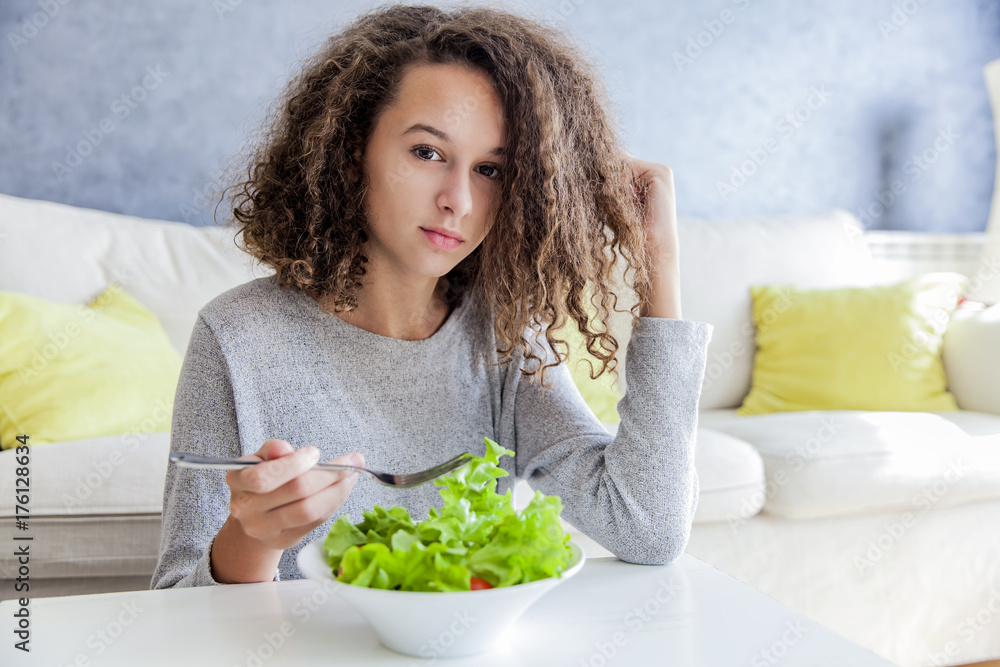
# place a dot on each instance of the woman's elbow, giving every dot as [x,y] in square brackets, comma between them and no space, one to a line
[660,548]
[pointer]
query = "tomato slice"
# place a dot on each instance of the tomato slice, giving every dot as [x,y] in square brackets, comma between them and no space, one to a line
[477,584]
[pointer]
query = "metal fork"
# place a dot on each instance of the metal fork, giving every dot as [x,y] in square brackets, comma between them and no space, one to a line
[399,481]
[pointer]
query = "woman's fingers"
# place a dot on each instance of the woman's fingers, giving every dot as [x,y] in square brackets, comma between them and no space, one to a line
[272,449]
[303,515]
[301,501]
[272,473]
[249,487]
[309,482]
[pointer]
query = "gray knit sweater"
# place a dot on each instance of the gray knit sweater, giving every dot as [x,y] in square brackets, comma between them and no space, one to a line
[266,362]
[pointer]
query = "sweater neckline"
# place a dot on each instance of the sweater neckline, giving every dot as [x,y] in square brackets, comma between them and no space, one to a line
[444,331]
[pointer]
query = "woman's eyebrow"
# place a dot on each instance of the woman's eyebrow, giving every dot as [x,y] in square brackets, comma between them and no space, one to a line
[420,127]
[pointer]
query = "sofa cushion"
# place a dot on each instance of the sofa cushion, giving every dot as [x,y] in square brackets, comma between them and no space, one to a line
[721,259]
[837,462]
[852,348]
[971,356]
[70,372]
[172,268]
[974,423]
[731,478]
[96,509]
[119,474]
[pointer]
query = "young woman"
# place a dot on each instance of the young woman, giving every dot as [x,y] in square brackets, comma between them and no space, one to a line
[439,192]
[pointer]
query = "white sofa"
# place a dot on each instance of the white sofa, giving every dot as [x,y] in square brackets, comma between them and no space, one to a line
[795,533]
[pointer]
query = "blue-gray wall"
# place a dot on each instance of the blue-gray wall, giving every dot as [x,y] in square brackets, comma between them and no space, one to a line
[761,107]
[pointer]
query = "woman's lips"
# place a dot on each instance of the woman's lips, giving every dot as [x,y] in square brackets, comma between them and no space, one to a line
[440,240]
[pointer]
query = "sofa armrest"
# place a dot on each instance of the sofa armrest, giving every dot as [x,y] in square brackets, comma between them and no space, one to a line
[971,356]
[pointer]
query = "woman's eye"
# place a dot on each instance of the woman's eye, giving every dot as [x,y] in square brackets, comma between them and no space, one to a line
[420,151]
[496,172]
[423,149]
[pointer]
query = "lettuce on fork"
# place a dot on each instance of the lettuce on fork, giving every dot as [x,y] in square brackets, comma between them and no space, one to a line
[476,533]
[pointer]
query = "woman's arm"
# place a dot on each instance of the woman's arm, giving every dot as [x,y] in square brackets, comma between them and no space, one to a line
[196,502]
[665,296]
[634,494]
[654,187]
[238,558]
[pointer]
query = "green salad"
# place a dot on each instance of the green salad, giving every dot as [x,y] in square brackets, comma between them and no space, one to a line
[476,540]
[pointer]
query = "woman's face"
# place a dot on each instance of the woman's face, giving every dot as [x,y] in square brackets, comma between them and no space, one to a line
[433,161]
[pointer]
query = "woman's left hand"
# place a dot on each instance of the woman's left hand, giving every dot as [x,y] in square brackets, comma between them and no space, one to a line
[654,185]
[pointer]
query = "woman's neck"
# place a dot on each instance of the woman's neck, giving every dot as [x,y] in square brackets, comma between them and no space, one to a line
[388,315]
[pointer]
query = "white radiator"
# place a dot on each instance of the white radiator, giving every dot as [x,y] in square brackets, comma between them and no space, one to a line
[900,255]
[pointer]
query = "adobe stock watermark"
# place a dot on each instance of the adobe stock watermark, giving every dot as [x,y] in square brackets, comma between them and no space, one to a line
[698,43]
[794,461]
[920,342]
[121,108]
[35,22]
[438,646]
[915,167]
[270,643]
[101,639]
[989,268]
[968,629]
[778,649]
[899,17]
[893,532]
[60,340]
[104,469]
[634,621]
[302,611]
[786,127]
[978,622]
[192,210]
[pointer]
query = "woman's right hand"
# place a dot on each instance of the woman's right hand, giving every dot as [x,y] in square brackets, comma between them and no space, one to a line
[279,501]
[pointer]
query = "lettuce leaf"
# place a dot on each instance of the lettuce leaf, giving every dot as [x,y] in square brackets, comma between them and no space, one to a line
[476,533]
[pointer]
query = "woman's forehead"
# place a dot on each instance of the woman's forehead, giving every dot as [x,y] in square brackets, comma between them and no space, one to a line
[452,103]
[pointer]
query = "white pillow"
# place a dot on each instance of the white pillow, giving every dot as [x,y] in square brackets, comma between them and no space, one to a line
[971,356]
[172,268]
[730,478]
[838,462]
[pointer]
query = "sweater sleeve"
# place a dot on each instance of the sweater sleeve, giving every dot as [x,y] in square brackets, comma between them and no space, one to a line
[635,494]
[196,501]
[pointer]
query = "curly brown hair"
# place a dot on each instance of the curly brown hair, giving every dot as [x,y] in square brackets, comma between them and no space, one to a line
[564,211]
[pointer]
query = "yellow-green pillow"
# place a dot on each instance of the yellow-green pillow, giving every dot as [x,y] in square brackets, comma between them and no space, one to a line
[69,372]
[600,394]
[856,348]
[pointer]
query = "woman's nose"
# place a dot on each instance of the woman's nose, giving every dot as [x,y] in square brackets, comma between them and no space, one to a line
[456,194]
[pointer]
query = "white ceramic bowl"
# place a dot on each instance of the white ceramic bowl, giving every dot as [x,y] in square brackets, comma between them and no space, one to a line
[435,625]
